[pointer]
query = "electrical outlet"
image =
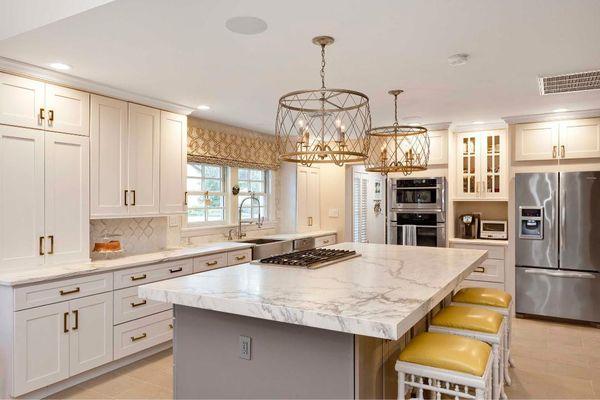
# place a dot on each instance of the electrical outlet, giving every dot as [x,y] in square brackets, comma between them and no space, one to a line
[245,347]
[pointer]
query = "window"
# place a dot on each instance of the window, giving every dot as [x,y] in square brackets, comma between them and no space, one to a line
[206,194]
[253,180]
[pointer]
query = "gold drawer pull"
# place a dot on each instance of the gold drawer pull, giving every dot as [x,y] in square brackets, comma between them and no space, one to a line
[170,326]
[51,117]
[65,322]
[141,303]
[138,278]
[42,246]
[136,338]
[175,270]
[76,312]
[66,292]
[211,263]
[240,258]
[480,269]
[325,241]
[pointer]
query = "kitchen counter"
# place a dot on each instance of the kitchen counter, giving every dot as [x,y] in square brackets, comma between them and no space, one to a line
[486,242]
[21,276]
[381,294]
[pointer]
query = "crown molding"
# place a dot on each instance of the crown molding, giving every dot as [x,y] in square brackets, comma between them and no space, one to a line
[479,127]
[439,126]
[33,71]
[521,119]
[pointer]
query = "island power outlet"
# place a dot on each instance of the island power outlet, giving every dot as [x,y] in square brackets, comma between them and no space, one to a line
[245,347]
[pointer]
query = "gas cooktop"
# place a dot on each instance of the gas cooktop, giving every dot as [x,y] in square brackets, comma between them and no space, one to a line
[314,258]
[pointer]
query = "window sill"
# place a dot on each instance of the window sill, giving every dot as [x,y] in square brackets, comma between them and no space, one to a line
[222,229]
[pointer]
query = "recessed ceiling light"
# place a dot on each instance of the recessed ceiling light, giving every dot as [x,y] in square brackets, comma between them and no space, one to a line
[246,25]
[203,107]
[60,66]
[458,59]
[477,122]
[560,110]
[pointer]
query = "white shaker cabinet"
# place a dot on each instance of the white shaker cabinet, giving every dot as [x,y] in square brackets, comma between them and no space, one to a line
[21,196]
[68,110]
[438,147]
[21,101]
[579,138]
[537,141]
[108,153]
[308,199]
[173,160]
[66,200]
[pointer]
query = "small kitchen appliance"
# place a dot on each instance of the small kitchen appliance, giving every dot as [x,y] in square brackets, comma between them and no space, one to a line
[468,226]
[493,230]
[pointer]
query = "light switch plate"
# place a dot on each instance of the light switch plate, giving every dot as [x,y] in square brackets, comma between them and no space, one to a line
[245,347]
[173,221]
[334,213]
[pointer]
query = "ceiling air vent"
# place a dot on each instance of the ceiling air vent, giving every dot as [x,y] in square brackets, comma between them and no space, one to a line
[570,83]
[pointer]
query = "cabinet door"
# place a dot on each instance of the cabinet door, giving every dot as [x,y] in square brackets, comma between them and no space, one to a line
[438,147]
[21,196]
[67,199]
[68,110]
[313,197]
[537,141]
[91,341]
[468,185]
[41,349]
[108,152]
[21,101]
[173,159]
[580,138]
[144,163]
[494,164]
[302,200]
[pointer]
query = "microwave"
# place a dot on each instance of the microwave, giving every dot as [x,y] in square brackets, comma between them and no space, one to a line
[493,230]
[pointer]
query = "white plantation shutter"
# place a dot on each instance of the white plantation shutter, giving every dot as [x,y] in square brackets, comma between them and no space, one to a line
[359,207]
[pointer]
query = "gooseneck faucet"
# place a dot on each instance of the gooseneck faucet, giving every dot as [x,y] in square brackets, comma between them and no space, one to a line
[259,223]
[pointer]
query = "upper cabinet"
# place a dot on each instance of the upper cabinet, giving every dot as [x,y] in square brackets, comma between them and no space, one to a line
[438,147]
[30,103]
[482,166]
[173,160]
[558,140]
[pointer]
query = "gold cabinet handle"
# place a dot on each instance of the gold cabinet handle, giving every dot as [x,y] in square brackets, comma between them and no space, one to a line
[170,326]
[325,241]
[185,198]
[42,246]
[175,270]
[133,192]
[141,303]
[136,338]
[240,258]
[42,116]
[66,292]
[76,313]
[310,221]
[138,278]
[211,263]
[125,197]
[553,151]
[65,322]
[51,237]
[562,151]
[477,187]
[480,269]
[50,117]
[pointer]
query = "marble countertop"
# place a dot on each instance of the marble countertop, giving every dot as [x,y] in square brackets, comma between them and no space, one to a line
[381,294]
[21,276]
[487,242]
[294,236]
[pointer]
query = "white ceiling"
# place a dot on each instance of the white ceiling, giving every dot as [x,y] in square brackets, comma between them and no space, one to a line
[180,51]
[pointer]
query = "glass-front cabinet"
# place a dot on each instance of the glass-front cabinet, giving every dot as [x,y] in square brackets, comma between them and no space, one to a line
[482,164]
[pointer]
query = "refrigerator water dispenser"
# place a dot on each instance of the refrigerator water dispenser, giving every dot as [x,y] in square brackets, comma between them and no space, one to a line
[531,223]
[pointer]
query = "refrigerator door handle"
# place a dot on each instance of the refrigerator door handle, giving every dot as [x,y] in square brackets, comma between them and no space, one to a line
[562,219]
[562,274]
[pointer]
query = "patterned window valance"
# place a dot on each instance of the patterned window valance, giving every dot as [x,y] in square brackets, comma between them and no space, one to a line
[252,150]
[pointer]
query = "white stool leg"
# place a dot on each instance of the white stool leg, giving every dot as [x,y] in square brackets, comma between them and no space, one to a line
[496,389]
[401,387]
[508,342]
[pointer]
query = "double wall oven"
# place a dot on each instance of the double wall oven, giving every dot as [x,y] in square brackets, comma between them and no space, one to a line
[417,211]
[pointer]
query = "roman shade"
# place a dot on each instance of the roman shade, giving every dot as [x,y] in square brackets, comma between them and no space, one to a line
[246,149]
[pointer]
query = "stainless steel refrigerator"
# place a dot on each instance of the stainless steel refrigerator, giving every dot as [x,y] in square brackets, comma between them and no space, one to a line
[558,244]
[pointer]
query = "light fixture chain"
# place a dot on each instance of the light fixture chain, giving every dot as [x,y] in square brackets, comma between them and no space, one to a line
[396,109]
[323,66]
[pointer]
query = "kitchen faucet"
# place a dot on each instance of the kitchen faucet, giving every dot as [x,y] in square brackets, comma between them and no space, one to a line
[259,223]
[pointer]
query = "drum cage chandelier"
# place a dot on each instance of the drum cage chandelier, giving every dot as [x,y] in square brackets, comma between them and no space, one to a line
[323,125]
[398,148]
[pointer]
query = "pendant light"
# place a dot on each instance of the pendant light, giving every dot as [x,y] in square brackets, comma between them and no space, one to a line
[323,125]
[398,148]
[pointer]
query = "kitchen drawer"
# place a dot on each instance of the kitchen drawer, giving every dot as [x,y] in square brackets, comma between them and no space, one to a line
[325,240]
[142,333]
[495,252]
[67,289]
[212,261]
[468,283]
[128,306]
[151,273]
[491,270]
[239,256]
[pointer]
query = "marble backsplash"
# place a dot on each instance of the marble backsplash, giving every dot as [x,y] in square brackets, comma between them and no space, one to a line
[137,235]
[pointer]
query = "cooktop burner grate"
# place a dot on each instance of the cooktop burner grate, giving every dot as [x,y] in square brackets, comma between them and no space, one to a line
[313,258]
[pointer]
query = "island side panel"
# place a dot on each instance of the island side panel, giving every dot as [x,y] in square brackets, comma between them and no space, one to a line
[287,361]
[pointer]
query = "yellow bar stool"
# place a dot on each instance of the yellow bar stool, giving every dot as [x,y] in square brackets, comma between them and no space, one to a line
[481,324]
[496,300]
[445,365]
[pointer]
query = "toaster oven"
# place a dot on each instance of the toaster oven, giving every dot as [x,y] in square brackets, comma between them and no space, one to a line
[493,229]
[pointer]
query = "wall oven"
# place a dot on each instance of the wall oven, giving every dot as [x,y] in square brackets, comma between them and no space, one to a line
[417,193]
[429,227]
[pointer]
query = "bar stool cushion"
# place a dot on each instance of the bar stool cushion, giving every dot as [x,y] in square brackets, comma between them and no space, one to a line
[469,318]
[451,352]
[483,296]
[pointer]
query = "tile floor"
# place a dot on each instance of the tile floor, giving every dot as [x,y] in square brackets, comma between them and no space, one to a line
[553,361]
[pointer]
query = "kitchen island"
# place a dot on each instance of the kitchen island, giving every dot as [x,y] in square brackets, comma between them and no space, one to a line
[266,331]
